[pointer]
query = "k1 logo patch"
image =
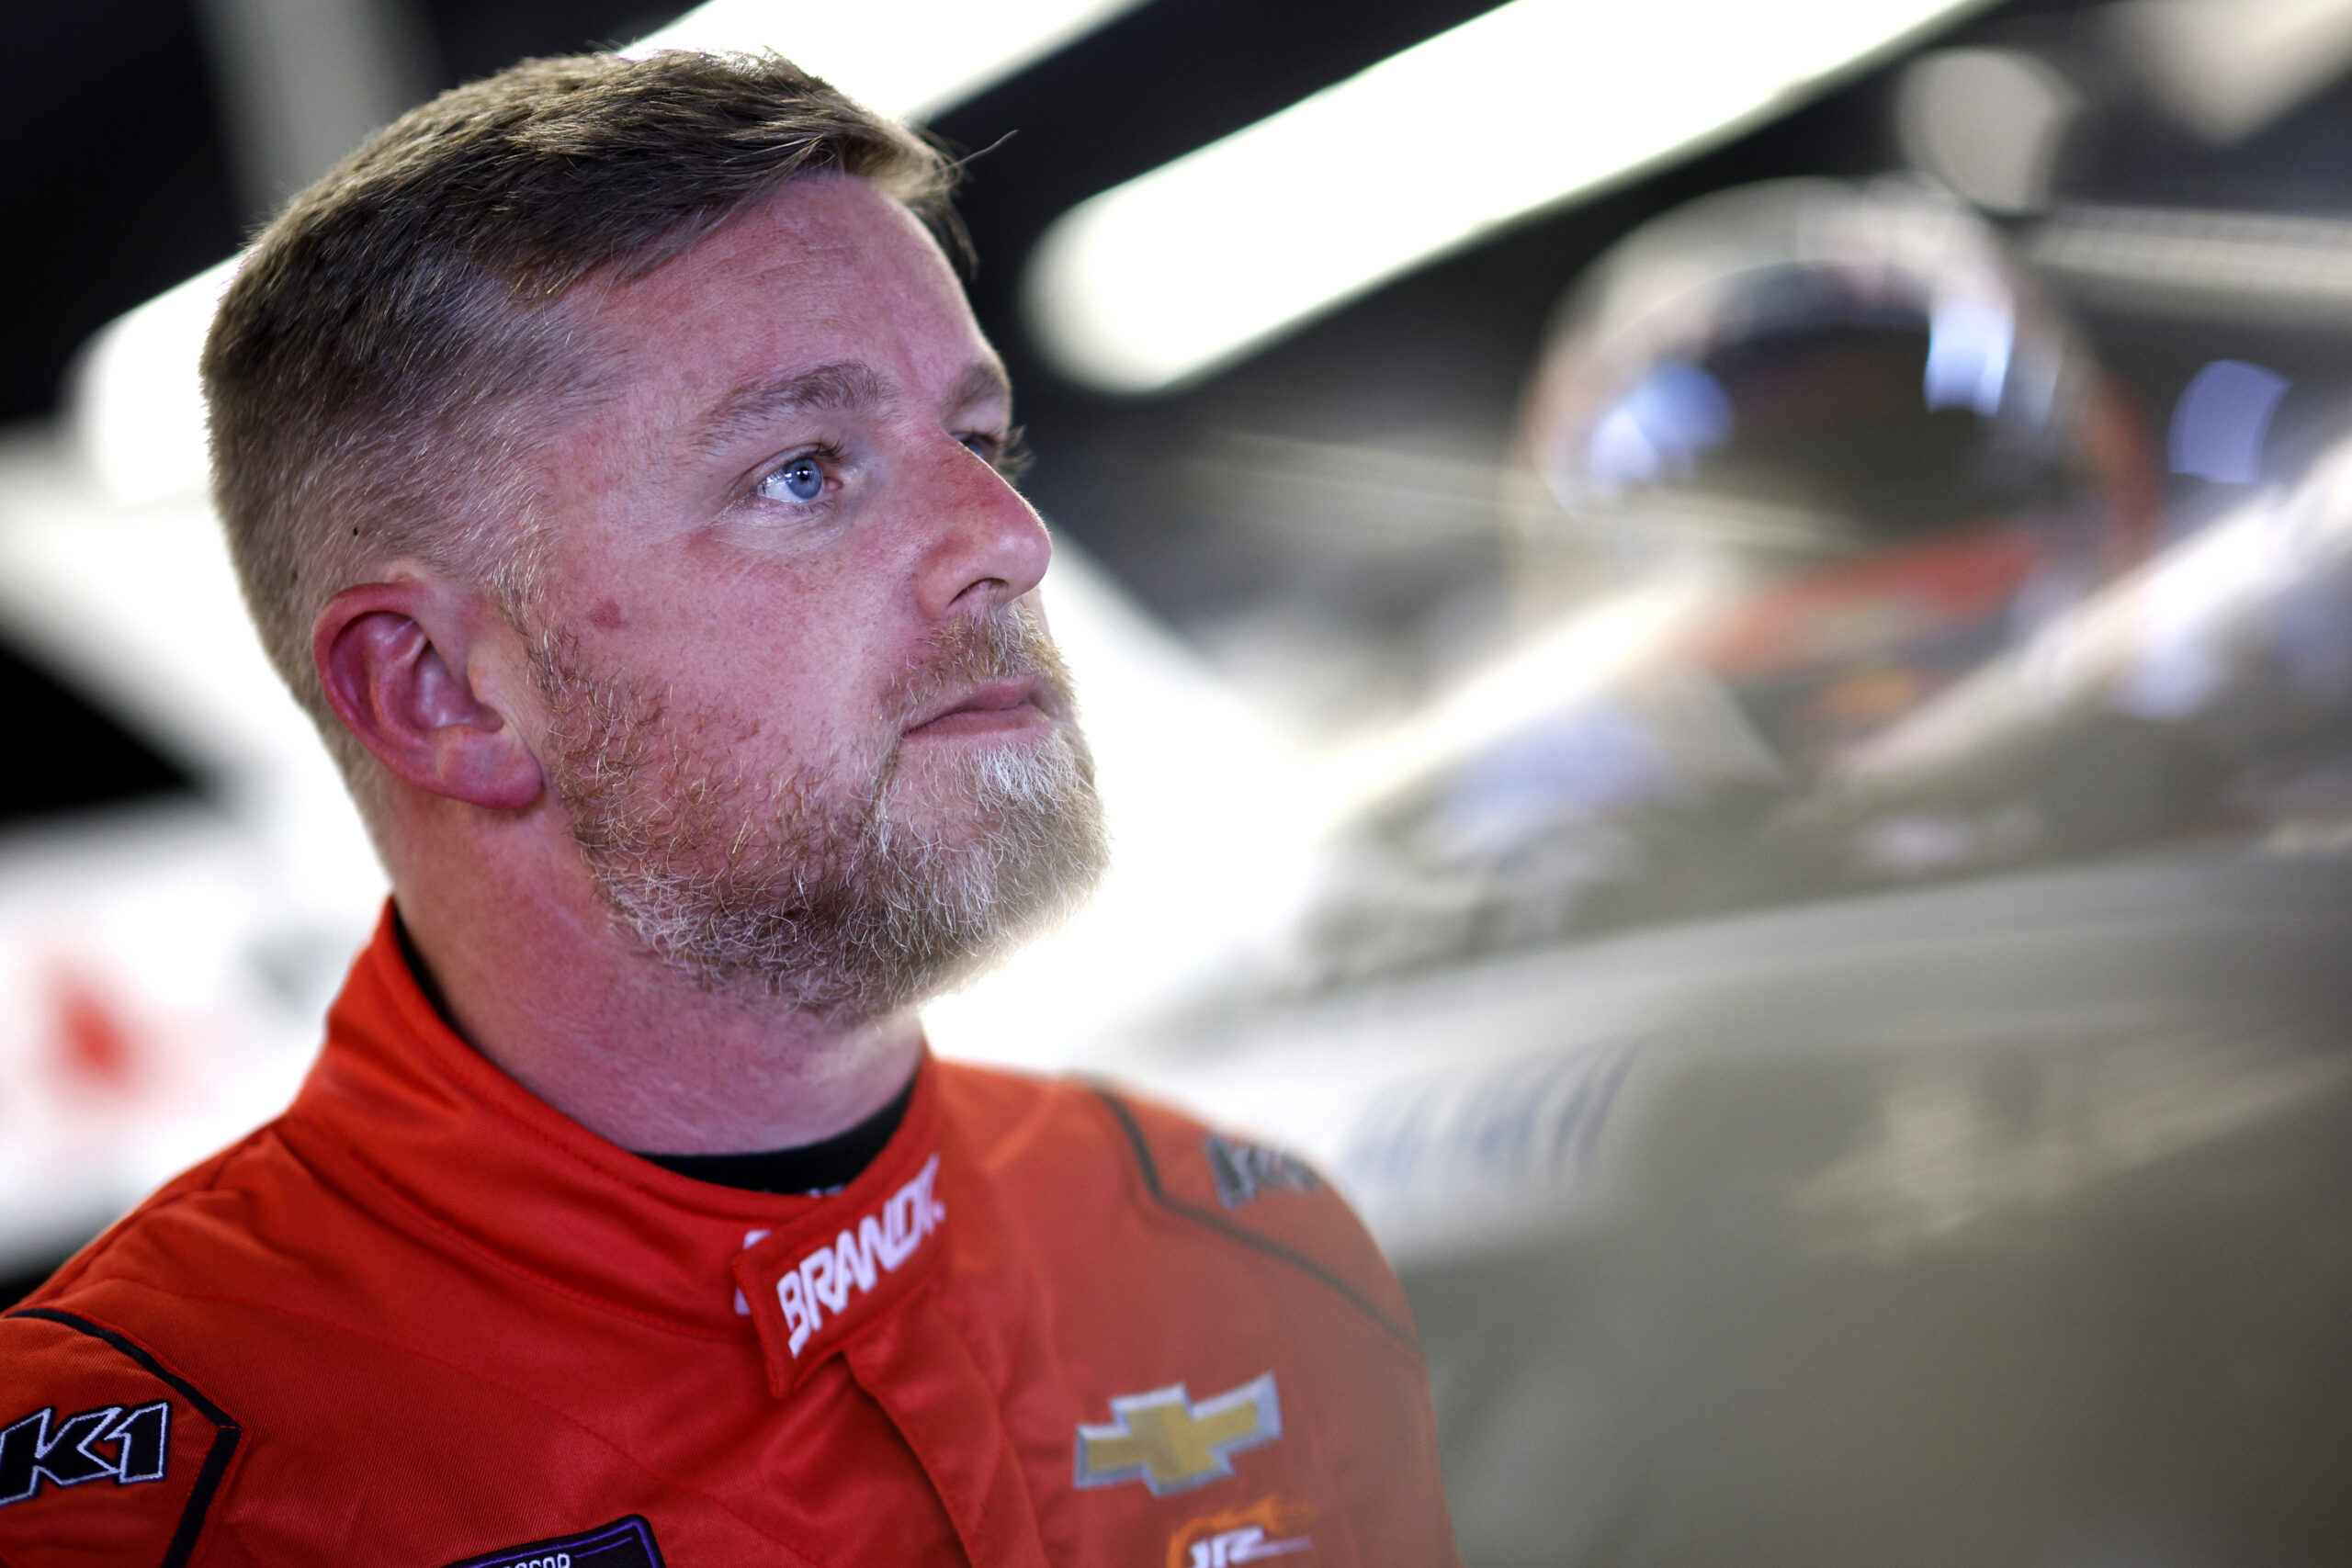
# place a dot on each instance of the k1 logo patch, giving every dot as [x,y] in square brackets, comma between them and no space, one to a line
[624,1543]
[113,1443]
[1170,1444]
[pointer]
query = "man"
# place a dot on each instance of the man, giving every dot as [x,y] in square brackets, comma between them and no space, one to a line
[616,471]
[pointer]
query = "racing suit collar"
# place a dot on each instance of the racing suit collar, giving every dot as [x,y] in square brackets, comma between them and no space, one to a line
[432,1136]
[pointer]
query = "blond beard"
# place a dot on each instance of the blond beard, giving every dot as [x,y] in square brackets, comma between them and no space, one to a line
[833,895]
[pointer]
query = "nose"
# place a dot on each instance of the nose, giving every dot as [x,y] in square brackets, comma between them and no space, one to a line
[988,546]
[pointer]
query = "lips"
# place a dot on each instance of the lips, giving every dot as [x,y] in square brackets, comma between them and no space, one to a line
[991,706]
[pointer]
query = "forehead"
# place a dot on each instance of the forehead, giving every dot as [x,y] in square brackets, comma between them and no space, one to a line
[826,270]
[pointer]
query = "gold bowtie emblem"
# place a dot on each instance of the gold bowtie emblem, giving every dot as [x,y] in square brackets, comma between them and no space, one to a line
[1170,1444]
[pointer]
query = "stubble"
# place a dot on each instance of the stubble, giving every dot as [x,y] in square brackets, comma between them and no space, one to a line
[832,884]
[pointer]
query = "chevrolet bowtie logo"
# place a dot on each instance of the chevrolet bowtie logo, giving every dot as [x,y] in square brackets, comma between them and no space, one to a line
[1169,1444]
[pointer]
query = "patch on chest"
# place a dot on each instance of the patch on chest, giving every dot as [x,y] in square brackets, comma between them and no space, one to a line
[1267,1528]
[1170,1444]
[1242,1171]
[624,1543]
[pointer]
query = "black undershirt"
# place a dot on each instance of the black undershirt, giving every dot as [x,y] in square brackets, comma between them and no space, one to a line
[825,1167]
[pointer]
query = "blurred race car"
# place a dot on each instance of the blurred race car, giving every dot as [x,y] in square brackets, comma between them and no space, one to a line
[1843,1036]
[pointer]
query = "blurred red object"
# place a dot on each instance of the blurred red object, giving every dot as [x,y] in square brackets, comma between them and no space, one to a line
[94,1045]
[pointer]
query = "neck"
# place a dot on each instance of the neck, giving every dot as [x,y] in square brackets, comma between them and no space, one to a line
[542,983]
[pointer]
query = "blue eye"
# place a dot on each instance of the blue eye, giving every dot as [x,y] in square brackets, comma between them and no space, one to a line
[803,478]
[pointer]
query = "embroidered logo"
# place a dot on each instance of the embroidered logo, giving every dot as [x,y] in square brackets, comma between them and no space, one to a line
[41,1448]
[1243,1170]
[1170,1444]
[854,1260]
[1267,1528]
[624,1543]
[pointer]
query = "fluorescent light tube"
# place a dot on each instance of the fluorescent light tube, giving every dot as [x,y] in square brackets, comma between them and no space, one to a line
[1197,264]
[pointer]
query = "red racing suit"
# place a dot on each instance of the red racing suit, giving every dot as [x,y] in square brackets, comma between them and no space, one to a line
[423,1319]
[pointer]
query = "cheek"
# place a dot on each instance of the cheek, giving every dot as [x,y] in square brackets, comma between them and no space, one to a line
[808,656]
[820,631]
[804,685]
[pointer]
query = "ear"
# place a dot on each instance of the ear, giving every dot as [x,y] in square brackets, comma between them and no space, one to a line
[398,660]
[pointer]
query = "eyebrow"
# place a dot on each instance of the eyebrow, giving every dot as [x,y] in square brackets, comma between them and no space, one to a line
[750,408]
[844,384]
[986,380]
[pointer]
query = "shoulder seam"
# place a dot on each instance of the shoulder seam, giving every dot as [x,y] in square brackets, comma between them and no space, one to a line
[71,1272]
[225,1436]
[1247,1238]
